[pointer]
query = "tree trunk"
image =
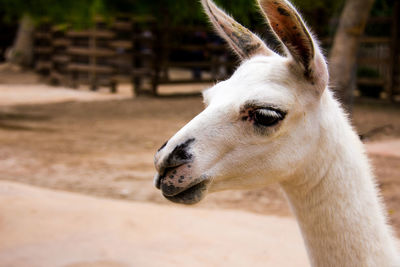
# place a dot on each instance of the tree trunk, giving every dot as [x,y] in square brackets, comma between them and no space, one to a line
[22,51]
[344,51]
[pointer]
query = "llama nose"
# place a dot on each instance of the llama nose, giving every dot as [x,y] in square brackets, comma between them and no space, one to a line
[177,157]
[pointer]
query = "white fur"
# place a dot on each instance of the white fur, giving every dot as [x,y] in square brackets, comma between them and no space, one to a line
[314,154]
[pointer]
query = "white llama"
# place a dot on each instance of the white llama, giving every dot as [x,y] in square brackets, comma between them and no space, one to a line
[275,120]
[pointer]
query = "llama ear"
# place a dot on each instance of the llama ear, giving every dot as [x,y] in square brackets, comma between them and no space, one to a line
[243,41]
[291,30]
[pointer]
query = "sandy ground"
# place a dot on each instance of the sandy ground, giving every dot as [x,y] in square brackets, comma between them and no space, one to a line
[17,94]
[105,148]
[42,228]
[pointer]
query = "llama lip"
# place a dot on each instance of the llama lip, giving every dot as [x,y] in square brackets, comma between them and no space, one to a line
[178,185]
[191,195]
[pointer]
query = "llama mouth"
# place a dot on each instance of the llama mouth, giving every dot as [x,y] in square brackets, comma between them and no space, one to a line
[178,185]
[190,195]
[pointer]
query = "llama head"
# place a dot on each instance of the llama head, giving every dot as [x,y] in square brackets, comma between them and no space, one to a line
[260,125]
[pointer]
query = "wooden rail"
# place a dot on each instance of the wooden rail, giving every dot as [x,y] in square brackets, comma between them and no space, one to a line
[194,49]
[96,56]
[144,51]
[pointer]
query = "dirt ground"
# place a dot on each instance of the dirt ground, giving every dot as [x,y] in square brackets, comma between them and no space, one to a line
[106,148]
[42,228]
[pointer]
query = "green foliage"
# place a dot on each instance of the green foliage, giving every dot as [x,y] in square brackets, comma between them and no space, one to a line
[60,11]
[382,8]
[81,12]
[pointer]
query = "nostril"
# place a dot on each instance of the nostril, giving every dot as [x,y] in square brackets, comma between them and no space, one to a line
[180,154]
[162,146]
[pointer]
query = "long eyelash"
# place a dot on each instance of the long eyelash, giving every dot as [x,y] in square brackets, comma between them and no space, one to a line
[249,113]
[271,113]
[254,105]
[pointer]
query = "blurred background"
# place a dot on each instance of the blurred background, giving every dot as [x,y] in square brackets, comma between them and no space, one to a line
[90,89]
[104,43]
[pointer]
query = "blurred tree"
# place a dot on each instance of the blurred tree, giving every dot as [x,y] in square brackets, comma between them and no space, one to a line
[22,51]
[343,55]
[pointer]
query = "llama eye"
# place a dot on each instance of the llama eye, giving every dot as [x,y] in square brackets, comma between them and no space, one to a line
[267,117]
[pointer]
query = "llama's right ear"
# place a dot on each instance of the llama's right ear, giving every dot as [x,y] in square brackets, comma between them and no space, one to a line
[243,41]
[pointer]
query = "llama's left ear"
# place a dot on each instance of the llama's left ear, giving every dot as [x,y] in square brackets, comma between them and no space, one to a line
[293,33]
[243,42]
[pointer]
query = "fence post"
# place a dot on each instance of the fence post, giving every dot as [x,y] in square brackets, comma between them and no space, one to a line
[92,58]
[144,56]
[122,46]
[43,49]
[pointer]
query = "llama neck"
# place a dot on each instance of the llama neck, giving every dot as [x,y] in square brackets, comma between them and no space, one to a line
[336,203]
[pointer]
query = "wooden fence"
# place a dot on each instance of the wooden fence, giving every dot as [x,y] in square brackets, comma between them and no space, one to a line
[145,52]
[378,64]
[160,50]
[98,56]
[135,49]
